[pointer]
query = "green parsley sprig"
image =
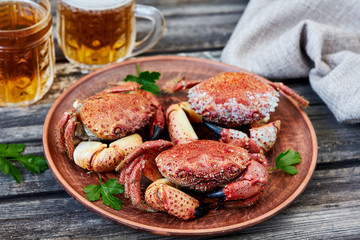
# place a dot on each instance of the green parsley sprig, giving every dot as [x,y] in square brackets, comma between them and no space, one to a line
[285,160]
[146,80]
[106,191]
[10,153]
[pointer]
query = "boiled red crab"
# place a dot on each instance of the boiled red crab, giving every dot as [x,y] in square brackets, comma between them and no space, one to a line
[111,114]
[233,99]
[202,165]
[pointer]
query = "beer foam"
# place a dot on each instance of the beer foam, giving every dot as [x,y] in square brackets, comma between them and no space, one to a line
[96,4]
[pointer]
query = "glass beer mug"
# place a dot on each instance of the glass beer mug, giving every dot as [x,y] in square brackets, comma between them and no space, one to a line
[94,33]
[26,51]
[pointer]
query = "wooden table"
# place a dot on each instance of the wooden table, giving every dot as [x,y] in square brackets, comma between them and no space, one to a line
[39,208]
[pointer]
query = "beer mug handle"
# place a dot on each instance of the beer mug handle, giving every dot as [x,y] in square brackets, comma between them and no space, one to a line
[157,30]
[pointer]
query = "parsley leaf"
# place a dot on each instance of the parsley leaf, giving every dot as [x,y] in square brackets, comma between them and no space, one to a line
[8,168]
[106,191]
[33,163]
[12,152]
[285,160]
[146,80]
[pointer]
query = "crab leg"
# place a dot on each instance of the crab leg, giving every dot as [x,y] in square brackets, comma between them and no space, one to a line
[180,84]
[163,196]
[179,126]
[262,137]
[288,91]
[67,127]
[121,87]
[126,171]
[141,160]
[62,126]
[248,186]
[99,157]
[69,137]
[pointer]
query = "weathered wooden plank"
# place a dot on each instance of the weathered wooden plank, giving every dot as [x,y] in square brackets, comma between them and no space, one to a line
[339,172]
[335,177]
[31,185]
[315,214]
[326,187]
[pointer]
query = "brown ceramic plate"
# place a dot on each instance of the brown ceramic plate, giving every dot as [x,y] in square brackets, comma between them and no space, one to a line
[297,133]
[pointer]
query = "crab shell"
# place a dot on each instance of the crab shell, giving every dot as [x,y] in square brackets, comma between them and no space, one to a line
[233,99]
[111,116]
[202,165]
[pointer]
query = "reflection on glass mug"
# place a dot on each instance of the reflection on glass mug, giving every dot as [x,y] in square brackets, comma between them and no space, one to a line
[94,33]
[26,51]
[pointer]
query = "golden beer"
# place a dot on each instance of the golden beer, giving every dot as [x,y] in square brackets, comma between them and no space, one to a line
[26,51]
[96,32]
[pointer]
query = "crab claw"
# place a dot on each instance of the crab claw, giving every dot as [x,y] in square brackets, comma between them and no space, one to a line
[141,160]
[158,121]
[179,126]
[99,157]
[156,132]
[163,196]
[262,137]
[248,187]
[265,135]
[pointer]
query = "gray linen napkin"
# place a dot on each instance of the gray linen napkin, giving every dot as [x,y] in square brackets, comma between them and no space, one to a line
[319,39]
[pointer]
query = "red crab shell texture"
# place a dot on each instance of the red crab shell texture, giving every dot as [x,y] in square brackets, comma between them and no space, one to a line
[202,165]
[114,115]
[233,99]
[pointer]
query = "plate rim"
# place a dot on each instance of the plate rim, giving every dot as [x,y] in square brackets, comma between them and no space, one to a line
[161,230]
